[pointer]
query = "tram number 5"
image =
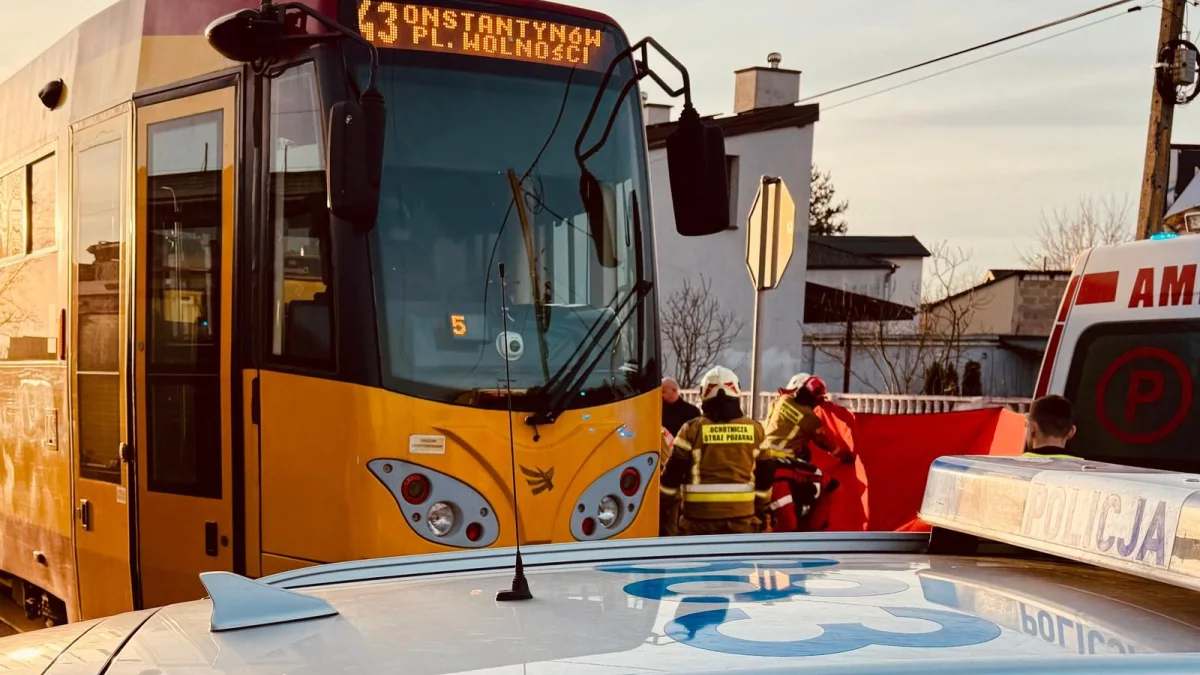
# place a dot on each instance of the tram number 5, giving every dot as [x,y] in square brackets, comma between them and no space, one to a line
[702,630]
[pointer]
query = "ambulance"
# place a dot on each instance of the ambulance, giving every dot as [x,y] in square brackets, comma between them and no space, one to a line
[1033,567]
[1125,350]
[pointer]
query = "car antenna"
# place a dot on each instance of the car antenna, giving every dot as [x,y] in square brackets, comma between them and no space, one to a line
[520,585]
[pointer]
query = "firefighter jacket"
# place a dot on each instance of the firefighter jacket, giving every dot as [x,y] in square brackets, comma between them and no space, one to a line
[790,427]
[719,470]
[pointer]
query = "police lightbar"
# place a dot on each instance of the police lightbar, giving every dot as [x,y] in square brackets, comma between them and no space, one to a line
[1140,521]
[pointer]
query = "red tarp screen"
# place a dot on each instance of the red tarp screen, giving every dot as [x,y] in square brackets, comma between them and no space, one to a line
[894,454]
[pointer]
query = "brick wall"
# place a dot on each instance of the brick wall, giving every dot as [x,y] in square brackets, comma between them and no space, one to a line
[1037,303]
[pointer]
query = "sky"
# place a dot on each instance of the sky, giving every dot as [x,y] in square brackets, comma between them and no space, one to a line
[973,157]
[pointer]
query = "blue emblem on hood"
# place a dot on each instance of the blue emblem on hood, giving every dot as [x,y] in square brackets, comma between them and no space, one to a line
[784,580]
[702,630]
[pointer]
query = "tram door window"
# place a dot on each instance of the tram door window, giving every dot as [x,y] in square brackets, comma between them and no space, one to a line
[100,189]
[98,278]
[185,202]
[302,300]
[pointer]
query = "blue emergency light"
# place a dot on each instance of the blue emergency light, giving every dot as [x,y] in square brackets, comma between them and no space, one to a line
[1143,522]
[1164,235]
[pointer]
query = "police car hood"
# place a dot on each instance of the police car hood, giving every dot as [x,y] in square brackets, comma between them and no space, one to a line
[842,613]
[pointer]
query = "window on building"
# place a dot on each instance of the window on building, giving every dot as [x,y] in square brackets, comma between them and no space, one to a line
[731,176]
[302,301]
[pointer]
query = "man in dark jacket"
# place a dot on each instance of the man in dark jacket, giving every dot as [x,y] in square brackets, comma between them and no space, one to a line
[1049,426]
[675,410]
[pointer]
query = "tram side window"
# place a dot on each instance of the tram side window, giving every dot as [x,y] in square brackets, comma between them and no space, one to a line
[12,213]
[29,313]
[302,300]
[98,245]
[42,226]
[1134,389]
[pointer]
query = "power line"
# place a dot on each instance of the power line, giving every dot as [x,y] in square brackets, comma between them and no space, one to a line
[968,50]
[971,63]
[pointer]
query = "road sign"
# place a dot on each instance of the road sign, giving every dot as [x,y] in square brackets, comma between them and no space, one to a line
[770,233]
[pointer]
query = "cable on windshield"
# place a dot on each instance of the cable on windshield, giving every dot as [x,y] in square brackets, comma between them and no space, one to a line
[562,108]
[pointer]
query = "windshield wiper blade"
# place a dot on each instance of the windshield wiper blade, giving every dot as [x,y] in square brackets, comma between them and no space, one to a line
[571,377]
[541,315]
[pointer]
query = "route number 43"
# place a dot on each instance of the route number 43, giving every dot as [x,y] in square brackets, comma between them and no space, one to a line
[703,629]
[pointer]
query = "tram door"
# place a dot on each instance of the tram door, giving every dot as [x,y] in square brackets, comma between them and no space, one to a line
[100,179]
[183,343]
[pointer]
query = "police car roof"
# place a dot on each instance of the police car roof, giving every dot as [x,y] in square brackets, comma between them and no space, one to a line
[705,604]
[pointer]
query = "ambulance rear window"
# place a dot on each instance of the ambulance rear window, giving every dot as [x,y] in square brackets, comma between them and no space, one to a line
[1134,389]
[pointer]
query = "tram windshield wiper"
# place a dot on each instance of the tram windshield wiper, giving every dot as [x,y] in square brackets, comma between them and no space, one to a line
[570,379]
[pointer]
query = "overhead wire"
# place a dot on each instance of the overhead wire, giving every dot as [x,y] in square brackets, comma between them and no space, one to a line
[971,63]
[968,50]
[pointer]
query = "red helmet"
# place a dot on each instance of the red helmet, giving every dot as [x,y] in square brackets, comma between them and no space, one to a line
[810,383]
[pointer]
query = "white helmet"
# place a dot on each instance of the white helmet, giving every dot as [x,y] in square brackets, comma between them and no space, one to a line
[797,381]
[719,378]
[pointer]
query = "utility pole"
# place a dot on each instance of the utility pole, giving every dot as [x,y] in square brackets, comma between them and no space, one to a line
[1162,116]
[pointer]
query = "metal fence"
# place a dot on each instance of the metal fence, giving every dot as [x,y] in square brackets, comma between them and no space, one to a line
[888,404]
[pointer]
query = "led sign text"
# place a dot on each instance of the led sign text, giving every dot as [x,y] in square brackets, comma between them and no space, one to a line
[400,25]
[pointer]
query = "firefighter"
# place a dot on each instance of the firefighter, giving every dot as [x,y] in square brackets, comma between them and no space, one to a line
[668,500]
[791,426]
[716,464]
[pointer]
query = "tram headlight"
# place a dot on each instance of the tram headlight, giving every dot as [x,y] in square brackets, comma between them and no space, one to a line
[440,519]
[609,512]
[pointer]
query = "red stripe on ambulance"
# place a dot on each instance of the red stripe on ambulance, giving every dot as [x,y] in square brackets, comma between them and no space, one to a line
[1098,288]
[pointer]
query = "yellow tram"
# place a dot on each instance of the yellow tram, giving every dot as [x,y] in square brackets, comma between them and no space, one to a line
[204,365]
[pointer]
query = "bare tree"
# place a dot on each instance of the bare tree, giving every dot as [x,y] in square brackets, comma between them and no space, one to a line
[697,330]
[903,352]
[1065,233]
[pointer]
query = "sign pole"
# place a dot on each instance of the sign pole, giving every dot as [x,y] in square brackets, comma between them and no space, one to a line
[756,344]
[770,239]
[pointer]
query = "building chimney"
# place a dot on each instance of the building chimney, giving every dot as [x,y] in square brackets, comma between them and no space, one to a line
[765,87]
[655,113]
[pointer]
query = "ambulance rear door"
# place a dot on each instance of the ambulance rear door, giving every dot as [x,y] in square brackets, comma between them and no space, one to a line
[1126,351]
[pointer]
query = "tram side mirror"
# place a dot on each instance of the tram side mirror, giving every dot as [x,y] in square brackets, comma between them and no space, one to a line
[245,36]
[699,183]
[355,151]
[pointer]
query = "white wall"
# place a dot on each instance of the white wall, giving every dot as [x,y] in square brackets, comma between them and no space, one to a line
[722,257]
[906,282]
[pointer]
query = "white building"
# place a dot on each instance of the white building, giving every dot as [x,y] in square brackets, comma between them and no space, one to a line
[768,135]
[884,268]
